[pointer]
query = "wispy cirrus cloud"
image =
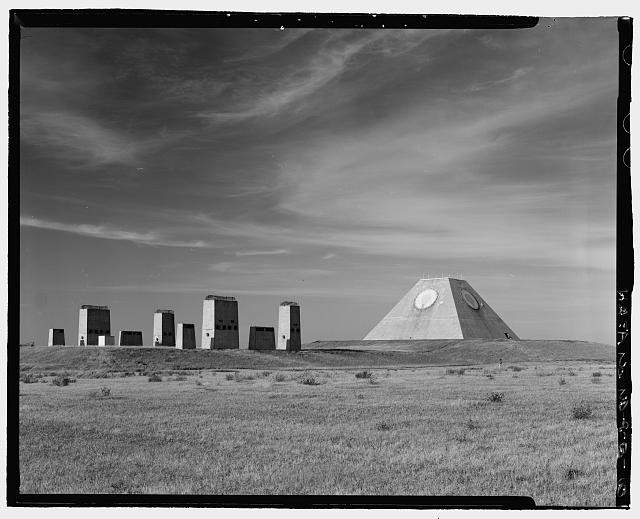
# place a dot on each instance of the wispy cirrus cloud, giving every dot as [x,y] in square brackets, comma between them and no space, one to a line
[79,139]
[275,252]
[517,74]
[271,95]
[83,141]
[235,268]
[487,235]
[280,291]
[105,232]
[287,38]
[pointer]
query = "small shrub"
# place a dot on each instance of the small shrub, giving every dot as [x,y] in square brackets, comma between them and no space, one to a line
[495,397]
[280,377]
[515,368]
[28,378]
[596,374]
[364,374]
[310,381]
[489,376]
[154,378]
[582,411]
[571,373]
[571,474]
[471,425]
[383,426]
[230,376]
[198,382]
[562,381]
[105,391]
[266,373]
[97,374]
[461,437]
[180,378]
[62,381]
[595,381]
[452,371]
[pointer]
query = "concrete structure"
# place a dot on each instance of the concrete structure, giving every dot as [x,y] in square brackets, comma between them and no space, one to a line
[164,328]
[186,336]
[56,337]
[93,321]
[262,338]
[441,308]
[220,323]
[106,340]
[289,326]
[130,338]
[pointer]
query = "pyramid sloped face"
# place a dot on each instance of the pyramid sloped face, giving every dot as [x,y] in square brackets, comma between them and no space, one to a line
[441,308]
[477,319]
[427,311]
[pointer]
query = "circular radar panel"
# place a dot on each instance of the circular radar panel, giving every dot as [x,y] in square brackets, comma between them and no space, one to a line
[470,299]
[425,299]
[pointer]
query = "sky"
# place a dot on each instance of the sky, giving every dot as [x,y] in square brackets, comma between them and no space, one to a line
[330,167]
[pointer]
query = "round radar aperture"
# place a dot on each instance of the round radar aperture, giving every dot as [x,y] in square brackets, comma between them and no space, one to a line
[425,299]
[470,299]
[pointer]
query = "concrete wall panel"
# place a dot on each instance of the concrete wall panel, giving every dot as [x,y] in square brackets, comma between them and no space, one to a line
[262,338]
[130,338]
[106,340]
[56,337]
[186,336]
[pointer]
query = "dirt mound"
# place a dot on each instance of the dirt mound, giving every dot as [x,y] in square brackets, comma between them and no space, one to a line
[93,361]
[472,351]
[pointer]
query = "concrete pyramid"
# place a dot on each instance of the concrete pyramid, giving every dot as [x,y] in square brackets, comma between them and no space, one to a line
[441,308]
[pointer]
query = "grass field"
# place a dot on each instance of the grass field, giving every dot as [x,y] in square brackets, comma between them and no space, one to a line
[412,430]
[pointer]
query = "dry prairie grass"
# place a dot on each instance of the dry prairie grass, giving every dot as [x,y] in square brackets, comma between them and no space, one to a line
[418,432]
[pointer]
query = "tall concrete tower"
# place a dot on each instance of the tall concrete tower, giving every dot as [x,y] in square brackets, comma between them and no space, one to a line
[289,326]
[220,323]
[93,321]
[164,328]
